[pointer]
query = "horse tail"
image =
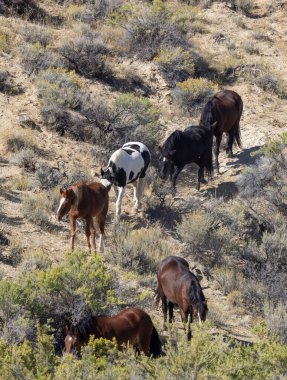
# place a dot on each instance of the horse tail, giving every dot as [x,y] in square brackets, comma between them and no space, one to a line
[155,344]
[206,116]
[208,162]
[157,297]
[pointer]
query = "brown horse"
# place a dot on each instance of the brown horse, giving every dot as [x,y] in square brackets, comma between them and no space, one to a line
[85,200]
[130,326]
[178,286]
[223,112]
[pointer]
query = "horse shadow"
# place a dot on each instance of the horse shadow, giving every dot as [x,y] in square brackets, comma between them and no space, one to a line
[128,84]
[244,157]
[226,190]
[12,221]
[12,196]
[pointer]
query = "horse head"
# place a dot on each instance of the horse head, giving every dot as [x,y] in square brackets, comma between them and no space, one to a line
[66,201]
[199,311]
[166,163]
[72,340]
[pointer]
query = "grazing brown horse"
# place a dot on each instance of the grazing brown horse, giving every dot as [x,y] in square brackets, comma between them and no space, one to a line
[178,286]
[223,112]
[130,326]
[85,200]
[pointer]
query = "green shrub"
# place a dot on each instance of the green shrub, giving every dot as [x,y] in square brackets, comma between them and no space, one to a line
[194,92]
[26,159]
[276,319]
[245,6]
[148,28]
[138,250]
[230,280]
[46,177]
[86,56]
[176,64]
[36,208]
[251,48]
[37,34]
[35,58]
[76,288]
[135,118]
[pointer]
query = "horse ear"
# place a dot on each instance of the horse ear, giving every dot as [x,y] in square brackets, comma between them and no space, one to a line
[66,329]
[102,172]
[159,149]
[61,191]
[70,194]
[76,330]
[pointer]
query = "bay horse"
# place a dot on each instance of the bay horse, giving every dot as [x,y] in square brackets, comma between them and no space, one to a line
[85,200]
[178,286]
[194,144]
[130,326]
[223,112]
[127,165]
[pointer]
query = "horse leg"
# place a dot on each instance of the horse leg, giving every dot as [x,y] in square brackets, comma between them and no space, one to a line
[88,233]
[140,187]
[170,311]
[230,141]
[178,169]
[93,236]
[72,232]
[186,321]
[136,193]
[164,310]
[119,200]
[115,190]
[200,174]
[171,171]
[101,219]
[218,142]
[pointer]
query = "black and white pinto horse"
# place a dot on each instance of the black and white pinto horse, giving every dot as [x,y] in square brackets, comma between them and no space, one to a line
[127,165]
[194,144]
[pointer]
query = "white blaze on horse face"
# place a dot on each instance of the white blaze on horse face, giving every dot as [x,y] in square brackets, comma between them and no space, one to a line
[61,204]
[70,339]
[164,159]
[105,182]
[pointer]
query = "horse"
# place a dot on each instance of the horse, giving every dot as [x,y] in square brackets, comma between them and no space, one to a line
[85,200]
[223,112]
[130,326]
[178,286]
[194,144]
[127,165]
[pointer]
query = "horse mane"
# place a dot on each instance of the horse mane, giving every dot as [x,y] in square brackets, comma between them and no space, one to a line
[172,140]
[196,294]
[85,326]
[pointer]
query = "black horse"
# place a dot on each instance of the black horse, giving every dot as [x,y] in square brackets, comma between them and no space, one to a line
[194,144]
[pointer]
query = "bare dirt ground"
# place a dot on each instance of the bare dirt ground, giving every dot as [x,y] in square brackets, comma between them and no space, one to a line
[264,117]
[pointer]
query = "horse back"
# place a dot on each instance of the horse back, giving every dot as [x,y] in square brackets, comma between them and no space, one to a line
[126,325]
[171,273]
[227,107]
[92,198]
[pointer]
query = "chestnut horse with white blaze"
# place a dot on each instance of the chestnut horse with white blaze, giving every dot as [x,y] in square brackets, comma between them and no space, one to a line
[85,201]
